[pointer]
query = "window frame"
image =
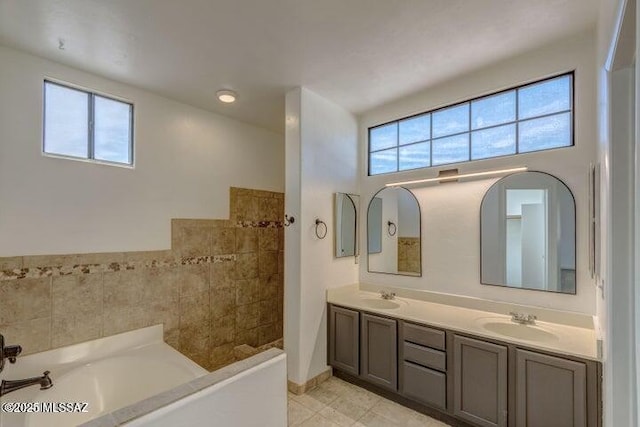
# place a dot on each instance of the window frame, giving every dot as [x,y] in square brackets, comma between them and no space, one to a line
[470,130]
[92,94]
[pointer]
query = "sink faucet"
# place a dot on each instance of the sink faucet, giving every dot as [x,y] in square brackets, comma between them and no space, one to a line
[8,352]
[387,295]
[522,318]
[9,386]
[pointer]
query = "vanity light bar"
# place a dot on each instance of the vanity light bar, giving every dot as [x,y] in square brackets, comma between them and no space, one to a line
[457,176]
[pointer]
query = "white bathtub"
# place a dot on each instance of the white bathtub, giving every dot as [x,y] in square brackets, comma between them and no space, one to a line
[249,393]
[108,374]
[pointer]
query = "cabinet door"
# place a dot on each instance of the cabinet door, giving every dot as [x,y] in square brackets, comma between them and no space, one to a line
[379,351]
[344,339]
[480,382]
[550,391]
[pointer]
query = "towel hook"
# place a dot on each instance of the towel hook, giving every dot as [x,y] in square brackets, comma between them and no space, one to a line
[288,220]
[319,225]
[391,228]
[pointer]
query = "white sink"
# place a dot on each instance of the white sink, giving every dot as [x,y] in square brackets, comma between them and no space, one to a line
[510,329]
[380,303]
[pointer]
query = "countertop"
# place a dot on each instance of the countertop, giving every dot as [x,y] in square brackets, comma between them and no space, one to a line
[569,340]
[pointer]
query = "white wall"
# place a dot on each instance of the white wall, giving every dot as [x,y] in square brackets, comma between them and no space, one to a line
[614,303]
[186,160]
[450,212]
[321,159]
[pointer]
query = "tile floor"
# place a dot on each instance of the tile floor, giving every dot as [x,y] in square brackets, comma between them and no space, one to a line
[337,403]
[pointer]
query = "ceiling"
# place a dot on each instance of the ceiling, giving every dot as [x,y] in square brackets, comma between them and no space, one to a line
[357,53]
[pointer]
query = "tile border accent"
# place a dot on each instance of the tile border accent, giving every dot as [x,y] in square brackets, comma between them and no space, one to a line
[259,224]
[66,270]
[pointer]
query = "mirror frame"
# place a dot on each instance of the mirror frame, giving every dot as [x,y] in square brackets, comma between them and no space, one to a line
[356,207]
[419,227]
[575,233]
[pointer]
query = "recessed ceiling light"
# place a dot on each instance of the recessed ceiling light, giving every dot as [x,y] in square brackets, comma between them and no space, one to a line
[226,96]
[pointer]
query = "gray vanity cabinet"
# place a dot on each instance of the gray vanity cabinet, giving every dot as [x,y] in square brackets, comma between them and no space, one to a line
[344,339]
[480,382]
[550,391]
[379,351]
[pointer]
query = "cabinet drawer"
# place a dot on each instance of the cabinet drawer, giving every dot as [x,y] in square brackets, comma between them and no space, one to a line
[423,335]
[425,356]
[424,385]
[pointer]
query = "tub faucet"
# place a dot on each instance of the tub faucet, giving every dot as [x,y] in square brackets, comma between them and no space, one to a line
[9,386]
[8,352]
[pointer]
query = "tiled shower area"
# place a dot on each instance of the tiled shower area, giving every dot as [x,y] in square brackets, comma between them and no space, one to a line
[218,291]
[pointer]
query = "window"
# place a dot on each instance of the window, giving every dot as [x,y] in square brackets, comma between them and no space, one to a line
[85,125]
[533,117]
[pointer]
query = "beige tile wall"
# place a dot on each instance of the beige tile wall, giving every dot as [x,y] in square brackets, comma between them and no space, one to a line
[219,287]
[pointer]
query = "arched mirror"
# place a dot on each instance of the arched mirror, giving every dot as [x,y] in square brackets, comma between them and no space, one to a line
[346,220]
[528,234]
[393,233]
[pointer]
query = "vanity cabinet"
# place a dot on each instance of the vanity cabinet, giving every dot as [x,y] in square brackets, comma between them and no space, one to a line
[480,378]
[464,378]
[379,351]
[344,339]
[550,391]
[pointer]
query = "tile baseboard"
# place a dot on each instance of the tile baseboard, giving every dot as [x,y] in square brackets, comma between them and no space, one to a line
[299,389]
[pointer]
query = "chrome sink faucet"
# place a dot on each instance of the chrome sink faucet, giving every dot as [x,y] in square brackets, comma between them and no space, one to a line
[387,295]
[523,318]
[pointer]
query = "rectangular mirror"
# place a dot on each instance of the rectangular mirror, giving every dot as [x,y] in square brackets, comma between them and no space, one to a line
[346,220]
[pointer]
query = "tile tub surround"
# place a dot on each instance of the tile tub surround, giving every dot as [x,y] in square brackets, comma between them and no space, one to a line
[220,286]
